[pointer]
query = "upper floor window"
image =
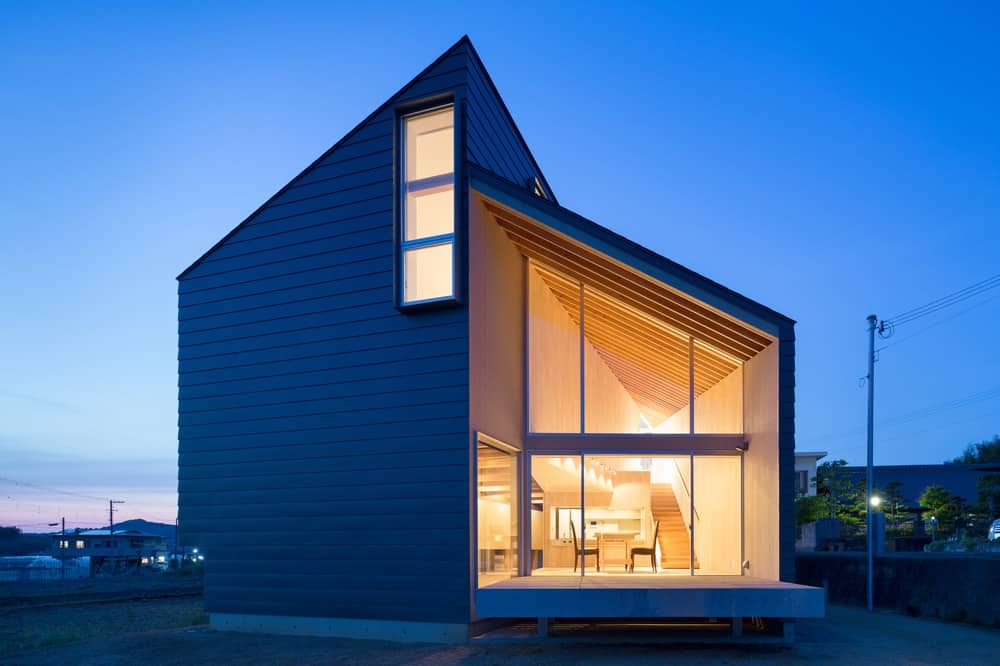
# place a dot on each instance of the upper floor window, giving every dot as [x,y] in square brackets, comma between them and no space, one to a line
[428,207]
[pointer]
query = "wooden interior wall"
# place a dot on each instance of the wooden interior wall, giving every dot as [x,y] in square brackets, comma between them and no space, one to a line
[609,407]
[761,465]
[496,330]
[719,410]
[717,509]
[554,358]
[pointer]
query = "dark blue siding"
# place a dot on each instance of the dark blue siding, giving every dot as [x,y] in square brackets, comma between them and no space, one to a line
[492,140]
[324,435]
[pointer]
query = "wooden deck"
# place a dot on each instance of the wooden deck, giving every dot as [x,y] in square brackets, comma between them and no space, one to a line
[647,596]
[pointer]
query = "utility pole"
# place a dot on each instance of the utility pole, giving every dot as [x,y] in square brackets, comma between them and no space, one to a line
[870,472]
[63,558]
[111,515]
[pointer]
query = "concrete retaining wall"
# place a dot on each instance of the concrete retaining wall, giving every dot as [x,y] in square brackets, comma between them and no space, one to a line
[960,587]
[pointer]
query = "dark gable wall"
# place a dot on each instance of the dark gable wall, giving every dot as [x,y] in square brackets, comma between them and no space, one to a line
[324,435]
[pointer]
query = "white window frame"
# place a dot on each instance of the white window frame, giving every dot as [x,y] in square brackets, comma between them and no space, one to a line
[417,185]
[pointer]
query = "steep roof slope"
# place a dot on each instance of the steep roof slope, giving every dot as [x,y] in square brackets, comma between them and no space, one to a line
[355,169]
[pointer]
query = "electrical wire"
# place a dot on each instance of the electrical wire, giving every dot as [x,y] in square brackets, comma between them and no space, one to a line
[939,322]
[936,305]
[918,414]
[47,489]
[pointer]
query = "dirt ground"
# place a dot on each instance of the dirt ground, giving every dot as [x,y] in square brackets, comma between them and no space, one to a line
[150,636]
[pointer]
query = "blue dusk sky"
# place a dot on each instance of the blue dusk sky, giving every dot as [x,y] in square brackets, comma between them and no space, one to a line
[829,163]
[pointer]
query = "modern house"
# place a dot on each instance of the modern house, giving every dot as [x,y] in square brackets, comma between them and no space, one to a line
[417,394]
[806,463]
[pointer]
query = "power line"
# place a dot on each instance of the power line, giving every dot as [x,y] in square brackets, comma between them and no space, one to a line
[938,323]
[918,414]
[47,489]
[975,418]
[965,294]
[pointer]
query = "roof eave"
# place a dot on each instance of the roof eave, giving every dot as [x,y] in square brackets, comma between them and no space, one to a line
[635,255]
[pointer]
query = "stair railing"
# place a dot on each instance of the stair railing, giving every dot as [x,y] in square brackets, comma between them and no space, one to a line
[687,493]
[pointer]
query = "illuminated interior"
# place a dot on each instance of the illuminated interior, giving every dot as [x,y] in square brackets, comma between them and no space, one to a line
[610,353]
[429,210]
[636,515]
[636,369]
[497,516]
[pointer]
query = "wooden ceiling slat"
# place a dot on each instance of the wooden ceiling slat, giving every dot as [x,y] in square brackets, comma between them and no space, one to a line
[655,310]
[673,394]
[641,337]
[532,233]
[655,300]
[713,367]
[650,361]
[540,233]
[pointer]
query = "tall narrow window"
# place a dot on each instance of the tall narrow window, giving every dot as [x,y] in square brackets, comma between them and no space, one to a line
[428,210]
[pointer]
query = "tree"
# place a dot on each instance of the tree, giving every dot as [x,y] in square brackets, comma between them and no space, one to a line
[810,508]
[986,451]
[893,501]
[949,509]
[988,494]
[843,492]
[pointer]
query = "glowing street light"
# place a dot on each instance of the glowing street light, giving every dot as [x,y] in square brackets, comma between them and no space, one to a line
[876,500]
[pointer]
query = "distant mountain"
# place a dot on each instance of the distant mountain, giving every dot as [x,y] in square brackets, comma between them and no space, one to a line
[159,529]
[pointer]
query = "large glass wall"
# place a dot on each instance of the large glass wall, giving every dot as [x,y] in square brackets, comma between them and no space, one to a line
[639,514]
[635,370]
[497,513]
[557,516]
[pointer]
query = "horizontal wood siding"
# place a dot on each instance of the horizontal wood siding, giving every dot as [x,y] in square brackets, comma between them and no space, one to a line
[324,435]
[492,141]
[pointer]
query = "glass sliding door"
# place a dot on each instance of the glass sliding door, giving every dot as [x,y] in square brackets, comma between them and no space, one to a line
[557,537]
[636,511]
[497,513]
[636,514]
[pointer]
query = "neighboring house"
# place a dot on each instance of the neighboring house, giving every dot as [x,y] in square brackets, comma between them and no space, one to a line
[805,484]
[958,479]
[417,393]
[805,471]
[110,551]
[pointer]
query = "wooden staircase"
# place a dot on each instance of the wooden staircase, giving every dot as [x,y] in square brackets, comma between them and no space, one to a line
[674,537]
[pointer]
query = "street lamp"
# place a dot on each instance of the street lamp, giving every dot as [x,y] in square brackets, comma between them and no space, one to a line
[876,501]
[934,528]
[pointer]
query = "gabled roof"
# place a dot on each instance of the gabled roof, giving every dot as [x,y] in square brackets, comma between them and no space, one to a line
[463,43]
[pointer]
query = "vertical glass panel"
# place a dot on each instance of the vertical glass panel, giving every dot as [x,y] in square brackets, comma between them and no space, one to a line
[636,509]
[497,514]
[430,212]
[718,519]
[553,352]
[429,144]
[636,370]
[718,387]
[556,516]
[427,272]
